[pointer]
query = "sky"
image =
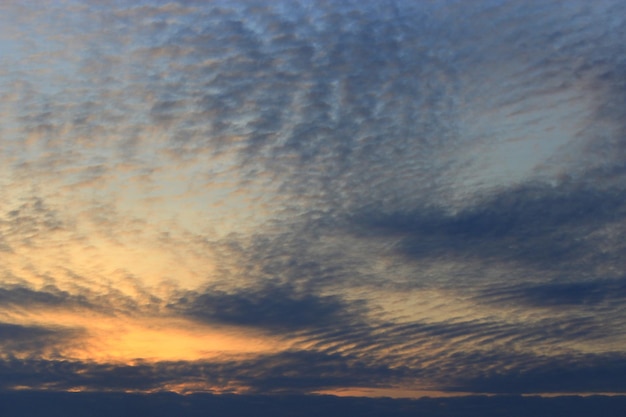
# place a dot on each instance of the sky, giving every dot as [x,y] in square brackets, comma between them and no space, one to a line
[373,198]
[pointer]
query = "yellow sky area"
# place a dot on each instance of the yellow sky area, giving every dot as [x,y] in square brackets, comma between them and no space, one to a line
[155,340]
[144,262]
[150,224]
[126,339]
[199,193]
[126,264]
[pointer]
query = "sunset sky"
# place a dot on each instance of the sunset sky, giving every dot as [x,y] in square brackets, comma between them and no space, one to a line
[358,198]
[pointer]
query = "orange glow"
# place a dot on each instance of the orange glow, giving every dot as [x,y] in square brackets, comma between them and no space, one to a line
[124,339]
[389,393]
[185,388]
[155,340]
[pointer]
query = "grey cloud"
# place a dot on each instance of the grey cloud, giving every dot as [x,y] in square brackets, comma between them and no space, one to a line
[549,227]
[446,349]
[296,372]
[577,373]
[34,340]
[305,372]
[299,273]
[280,86]
[63,375]
[332,325]
[50,296]
[296,276]
[275,307]
[22,297]
[360,139]
[29,223]
[588,293]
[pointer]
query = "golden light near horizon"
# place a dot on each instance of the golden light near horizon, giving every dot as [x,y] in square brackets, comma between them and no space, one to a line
[123,339]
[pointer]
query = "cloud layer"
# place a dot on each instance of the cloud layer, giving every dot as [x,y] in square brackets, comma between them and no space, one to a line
[305,197]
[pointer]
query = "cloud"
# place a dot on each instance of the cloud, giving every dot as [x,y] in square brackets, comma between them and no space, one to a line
[552,228]
[296,372]
[302,371]
[399,191]
[25,224]
[64,375]
[21,296]
[306,372]
[18,340]
[575,373]
[596,293]
[26,299]
[275,307]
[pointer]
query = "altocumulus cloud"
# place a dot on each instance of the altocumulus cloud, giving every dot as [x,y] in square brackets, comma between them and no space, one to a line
[403,197]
